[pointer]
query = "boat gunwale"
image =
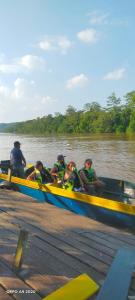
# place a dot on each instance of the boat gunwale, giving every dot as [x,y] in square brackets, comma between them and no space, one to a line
[117,206]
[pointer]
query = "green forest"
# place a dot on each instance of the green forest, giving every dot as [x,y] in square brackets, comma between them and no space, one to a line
[117,117]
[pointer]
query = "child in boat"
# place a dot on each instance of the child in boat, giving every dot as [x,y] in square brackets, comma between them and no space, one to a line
[71,179]
[91,182]
[59,167]
[40,174]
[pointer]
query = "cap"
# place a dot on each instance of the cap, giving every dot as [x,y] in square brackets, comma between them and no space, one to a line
[60,157]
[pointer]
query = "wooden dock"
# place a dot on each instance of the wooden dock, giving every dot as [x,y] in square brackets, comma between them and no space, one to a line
[61,246]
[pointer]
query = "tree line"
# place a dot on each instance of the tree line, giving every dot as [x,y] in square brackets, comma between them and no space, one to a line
[117,117]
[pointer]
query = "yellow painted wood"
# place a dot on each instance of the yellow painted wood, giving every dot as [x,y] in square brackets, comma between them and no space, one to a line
[79,288]
[93,200]
[22,240]
[9,174]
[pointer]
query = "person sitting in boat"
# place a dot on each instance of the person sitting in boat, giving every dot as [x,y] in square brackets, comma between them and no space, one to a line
[92,184]
[71,180]
[59,167]
[40,174]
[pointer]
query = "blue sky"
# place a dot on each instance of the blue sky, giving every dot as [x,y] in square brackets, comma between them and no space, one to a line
[55,53]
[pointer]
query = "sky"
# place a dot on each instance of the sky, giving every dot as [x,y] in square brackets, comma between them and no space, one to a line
[55,53]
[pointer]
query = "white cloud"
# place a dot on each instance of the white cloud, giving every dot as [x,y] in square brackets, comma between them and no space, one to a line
[59,43]
[23,89]
[45,45]
[2,58]
[47,99]
[9,68]
[77,81]
[20,65]
[98,18]
[64,44]
[4,91]
[32,62]
[89,35]
[115,75]
[23,101]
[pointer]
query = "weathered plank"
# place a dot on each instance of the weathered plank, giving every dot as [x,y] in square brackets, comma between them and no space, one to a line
[118,280]
[11,282]
[62,245]
[4,294]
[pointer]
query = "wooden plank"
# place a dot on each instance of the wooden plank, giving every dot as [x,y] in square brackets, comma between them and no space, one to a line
[41,272]
[118,280]
[44,258]
[45,284]
[64,212]
[55,229]
[111,239]
[117,241]
[93,244]
[51,259]
[4,295]
[133,242]
[79,288]
[64,247]
[101,241]
[11,282]
[35,259]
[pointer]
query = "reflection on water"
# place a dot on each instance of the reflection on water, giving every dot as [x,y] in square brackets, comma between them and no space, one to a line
[113,156]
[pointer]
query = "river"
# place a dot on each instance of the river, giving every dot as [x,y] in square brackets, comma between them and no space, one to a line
[113,156]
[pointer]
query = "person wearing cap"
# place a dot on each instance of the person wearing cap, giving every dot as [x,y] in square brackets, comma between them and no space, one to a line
[17,161]
[40,174]
[92,184]
[59,167]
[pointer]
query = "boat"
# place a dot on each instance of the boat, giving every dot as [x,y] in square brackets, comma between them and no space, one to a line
[116,206]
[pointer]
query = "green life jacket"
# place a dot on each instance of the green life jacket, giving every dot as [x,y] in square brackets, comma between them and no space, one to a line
[89,174]
[38,176]
[68,186]
[72,183]
[61,169]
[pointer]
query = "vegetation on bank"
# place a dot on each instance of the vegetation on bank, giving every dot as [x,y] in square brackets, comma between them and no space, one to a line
[117,117]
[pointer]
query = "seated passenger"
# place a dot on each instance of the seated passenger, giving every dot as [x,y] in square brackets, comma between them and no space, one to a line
[71,179]
[40,174]
[59,167]
[91,183]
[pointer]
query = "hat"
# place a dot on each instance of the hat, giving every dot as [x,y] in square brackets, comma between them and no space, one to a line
[16,143]
[60,157]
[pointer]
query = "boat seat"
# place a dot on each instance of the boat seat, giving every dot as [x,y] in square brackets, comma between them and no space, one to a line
[118,279]
[80,288]
[5,165]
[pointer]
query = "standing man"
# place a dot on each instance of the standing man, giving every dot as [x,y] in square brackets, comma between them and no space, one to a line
[17,161]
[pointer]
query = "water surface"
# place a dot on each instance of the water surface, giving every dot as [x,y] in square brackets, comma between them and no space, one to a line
[113,156]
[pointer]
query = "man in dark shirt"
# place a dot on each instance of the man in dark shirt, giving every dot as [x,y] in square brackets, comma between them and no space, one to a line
[17,161]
